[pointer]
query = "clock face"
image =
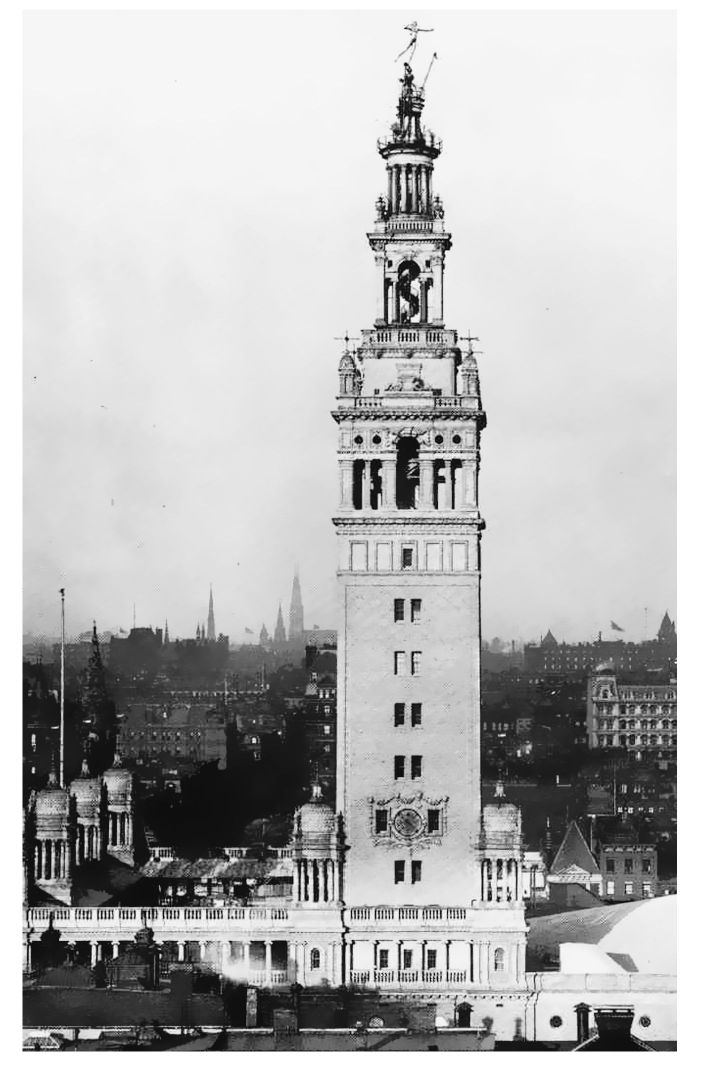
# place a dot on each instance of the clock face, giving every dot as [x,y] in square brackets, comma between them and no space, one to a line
[407,823]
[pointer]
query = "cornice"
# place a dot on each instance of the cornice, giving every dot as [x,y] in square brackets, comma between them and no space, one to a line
[429,413]
[469,523]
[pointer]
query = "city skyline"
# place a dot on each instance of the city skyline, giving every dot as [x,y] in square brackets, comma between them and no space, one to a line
[172,281]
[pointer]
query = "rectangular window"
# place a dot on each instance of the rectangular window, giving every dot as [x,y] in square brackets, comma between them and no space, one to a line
[399,714]
[416,663]
[647,890]
[646,865]
[628,866]
[610,889]
[416,713]
[399,663]
[399,767]
[416,867]
[628,887]
[407,959]
[416,766]
[434,819]
[381,821]
[327,729]
[399,606]
[431,957]
[415,610]
[407,557]
[383,957]
[399,871]
[610,864]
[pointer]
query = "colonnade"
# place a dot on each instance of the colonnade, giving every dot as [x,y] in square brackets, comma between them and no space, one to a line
[52,859]
[410,188]
[500,880]
[442,484]
[316,880]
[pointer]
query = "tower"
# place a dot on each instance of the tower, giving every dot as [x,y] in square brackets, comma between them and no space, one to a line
[410,417]
[296,612]
[211,633]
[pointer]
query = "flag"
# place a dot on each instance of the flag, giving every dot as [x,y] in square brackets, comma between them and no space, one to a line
[616,627]
[248,631]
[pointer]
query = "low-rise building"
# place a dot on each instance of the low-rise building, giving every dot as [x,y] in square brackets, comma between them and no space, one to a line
[629,871]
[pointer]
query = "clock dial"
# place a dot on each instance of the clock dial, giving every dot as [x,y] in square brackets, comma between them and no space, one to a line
[407,823]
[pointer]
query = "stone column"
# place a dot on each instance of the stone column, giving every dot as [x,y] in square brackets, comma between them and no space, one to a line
[448,956]
[267,959]
[202,949]
[246,951]
[471,965]
[380,294]
[483,969]
[180,950]
[406,187]
[115,949]
[469,484]
[37,860]
[93,953]
[388,483]
[438,291]
[426,483]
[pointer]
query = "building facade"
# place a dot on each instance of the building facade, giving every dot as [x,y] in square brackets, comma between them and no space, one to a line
[641,719]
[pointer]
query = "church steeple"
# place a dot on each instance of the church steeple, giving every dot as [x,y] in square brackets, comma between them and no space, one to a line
[279,630]
[211,633]
[296,612]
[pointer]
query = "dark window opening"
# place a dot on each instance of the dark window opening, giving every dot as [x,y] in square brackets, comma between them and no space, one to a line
[399,767]
[416,867]
[415,610]
[416,713]
[381,821]
[383,955]
[408,291]
[407,557]
[416,766]
[431,959]
[376,484]
[399,873]
[408,473]
[399,613]
[399,714]
[434,819]
[359,466]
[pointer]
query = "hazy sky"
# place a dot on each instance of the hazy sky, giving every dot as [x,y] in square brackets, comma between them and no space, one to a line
[198,187]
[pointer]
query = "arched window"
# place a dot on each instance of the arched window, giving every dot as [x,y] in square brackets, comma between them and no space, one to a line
[315,962]
[499,960]
[408,292]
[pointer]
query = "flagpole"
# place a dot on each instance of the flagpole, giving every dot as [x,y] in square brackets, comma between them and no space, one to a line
[62,689]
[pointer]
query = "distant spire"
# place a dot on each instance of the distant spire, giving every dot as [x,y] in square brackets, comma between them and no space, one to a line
[211,633]
[263,635]
[166,633]
[52,778]
[296,610]
[199,634]
[204,634]
[279,630]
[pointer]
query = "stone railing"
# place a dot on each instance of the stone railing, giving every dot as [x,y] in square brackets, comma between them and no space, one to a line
[160,919]
[418,399]
[420,334]
[407,914]
[407,977]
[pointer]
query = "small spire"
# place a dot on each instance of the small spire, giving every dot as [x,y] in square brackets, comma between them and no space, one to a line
[85,771]
[499,789]
[117,763]
[52,777]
